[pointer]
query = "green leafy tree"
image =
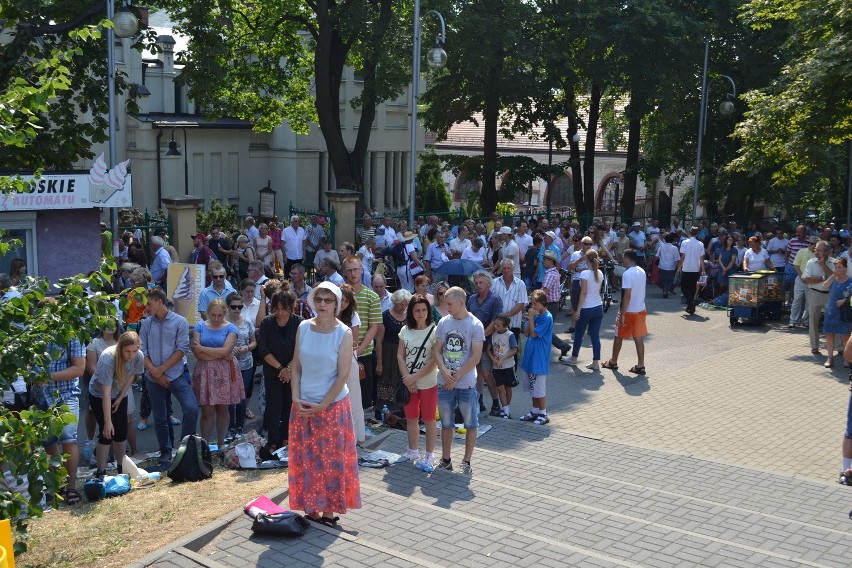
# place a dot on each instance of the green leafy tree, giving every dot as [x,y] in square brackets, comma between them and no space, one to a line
[52,72]
[221,214]
[283,61]
[492,72]
[430,187]
[794,121]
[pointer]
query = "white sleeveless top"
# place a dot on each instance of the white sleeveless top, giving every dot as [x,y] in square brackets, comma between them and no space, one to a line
[318,358]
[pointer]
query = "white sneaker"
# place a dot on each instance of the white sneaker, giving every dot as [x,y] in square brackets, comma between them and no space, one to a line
[412,455]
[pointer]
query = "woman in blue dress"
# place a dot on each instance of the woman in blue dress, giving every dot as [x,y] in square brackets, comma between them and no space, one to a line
[838,286]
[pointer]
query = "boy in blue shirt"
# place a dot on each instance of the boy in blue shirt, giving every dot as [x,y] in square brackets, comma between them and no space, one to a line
[536,359]
[502,350]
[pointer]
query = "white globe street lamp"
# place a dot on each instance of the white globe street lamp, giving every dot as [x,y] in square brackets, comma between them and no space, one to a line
[436,59]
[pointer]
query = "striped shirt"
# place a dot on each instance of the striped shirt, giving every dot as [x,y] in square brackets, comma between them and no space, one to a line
[794,245]
[511,295]
[370,310]
[550,284]
[315,234]
[363,234]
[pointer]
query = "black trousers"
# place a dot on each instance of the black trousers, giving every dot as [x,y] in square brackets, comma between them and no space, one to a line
[276,416]
[689,286]
[119,420]
[369,386]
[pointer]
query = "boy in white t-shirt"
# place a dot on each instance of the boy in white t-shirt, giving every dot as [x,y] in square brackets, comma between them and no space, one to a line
[502,350]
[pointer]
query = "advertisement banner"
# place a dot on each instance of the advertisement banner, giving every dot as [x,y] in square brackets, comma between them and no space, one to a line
[184,283]
[99,188]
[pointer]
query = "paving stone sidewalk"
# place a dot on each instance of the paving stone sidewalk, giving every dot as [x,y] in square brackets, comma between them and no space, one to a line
[723,455]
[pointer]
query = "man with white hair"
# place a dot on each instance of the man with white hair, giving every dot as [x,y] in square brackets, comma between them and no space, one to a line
[314,233]
[250,229]
[380,287]
[295,243]
[161,262]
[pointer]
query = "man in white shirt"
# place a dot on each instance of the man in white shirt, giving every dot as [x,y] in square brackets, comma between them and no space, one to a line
[653,229]
[691,266]
[385,235]
[512,291]
[510,250]
[295,242]
[777,249]
[523,239]
[249,228]
[637,242]
[630,319]
[380,287]
[817,271]
[459,244]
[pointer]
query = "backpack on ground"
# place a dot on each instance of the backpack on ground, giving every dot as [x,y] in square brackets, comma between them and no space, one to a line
[193,461]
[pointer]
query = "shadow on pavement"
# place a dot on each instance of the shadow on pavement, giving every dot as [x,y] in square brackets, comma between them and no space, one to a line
[444,487]
[633,385]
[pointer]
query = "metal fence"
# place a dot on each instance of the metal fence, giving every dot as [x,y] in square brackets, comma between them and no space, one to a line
[150,227]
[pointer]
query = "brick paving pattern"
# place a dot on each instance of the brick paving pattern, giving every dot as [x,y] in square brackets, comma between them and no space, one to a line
[724,455]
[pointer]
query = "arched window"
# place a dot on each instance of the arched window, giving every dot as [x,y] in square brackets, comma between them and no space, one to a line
[464,185]
[609,195]
[562,192]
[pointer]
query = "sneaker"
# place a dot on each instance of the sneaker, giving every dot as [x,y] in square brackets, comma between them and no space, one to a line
[445,465]
[541,419]
[412,455]
[528,417]
[564,358]
[229,437]
[571,361]
[505,415]
[495,411]
[571,329]
[466,469]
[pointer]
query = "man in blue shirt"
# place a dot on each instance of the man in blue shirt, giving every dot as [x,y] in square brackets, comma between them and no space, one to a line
[486,306]
[165,341]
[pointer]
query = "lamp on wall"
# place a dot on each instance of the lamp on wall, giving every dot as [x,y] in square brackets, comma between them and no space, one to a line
[173,151]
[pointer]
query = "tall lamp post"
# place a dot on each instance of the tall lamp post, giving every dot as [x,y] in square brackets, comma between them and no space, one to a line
[124,24]
[173,151]
[726,108]
[436,59]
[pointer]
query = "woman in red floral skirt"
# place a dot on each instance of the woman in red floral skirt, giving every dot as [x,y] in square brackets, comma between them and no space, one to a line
[323,468]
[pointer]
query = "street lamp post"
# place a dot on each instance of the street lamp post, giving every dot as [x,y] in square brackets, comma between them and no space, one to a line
[173,151]
[124,24]
[726,108]
[437,59]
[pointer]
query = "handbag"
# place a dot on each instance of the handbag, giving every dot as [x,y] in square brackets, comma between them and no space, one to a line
[362,372]
[403,395]
[846,310]
[287,523]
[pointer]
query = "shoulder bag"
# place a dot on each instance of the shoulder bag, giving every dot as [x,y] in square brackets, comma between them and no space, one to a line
[403,395]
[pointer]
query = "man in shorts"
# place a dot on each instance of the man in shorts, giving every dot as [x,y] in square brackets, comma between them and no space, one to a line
[630,320]
[66,367]
[457,350]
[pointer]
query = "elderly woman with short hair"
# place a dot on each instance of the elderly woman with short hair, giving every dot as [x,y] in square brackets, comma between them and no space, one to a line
[387,341]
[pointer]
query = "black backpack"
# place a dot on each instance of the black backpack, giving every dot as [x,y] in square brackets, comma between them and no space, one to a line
[397,251]
[193,461]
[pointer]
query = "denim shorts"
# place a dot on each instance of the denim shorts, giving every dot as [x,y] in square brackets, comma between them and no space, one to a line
[466,400]
[69,431]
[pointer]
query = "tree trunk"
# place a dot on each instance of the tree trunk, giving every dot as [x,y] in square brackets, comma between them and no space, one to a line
[631,171]
[589,154]
[576,165]
[329,61]
[488,195]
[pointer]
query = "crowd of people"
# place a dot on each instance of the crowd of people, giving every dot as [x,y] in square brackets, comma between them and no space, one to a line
[375,316]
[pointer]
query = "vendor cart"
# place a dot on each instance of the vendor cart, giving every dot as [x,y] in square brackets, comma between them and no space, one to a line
[755,296]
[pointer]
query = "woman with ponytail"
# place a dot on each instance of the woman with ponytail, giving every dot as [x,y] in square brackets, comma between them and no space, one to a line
[589,312]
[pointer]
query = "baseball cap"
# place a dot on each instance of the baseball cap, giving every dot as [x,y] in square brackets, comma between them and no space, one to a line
[551,234]
[201,236]
[637,224]
[247,456]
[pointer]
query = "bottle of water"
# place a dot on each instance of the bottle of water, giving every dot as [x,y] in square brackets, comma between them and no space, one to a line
[385,412]
[424,465]
[87,452]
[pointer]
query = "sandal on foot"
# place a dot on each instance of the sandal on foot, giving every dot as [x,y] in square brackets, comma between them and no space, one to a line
[249,414]
[71,496]
[829,363]
[609,365]
[637,369]
[329,521]
[141,426]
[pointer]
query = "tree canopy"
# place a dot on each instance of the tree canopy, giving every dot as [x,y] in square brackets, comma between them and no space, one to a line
[277,62]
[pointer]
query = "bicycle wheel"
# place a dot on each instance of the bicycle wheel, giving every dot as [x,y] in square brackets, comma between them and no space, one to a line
[607,296]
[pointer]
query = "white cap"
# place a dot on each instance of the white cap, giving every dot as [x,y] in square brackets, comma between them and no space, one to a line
[551,234]
[247,456]
[505,230]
